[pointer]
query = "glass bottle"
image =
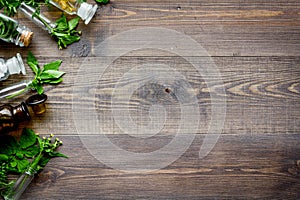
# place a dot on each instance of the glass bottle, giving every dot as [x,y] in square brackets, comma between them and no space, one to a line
[10,116]
[14,65]
[20,185]
[39,19]
[84,10]
[15,89]
[12,31]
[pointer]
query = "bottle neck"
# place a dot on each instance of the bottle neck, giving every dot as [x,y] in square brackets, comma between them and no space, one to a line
[15,65]
[21,113]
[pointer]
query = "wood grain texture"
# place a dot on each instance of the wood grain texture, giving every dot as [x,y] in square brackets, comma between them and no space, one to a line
[254,44]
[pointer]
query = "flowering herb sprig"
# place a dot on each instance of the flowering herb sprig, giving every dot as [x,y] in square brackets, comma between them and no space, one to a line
[30,152]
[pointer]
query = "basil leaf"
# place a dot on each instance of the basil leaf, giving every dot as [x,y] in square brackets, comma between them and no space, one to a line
[61,23]
[31,58]
[28,138]
[53,81]
[51,74]
[53,65]
[73,23]
[33,63]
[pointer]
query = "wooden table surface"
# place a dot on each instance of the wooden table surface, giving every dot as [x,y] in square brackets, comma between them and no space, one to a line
[255,46]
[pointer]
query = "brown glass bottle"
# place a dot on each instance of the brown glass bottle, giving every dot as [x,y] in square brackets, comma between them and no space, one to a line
[10,116]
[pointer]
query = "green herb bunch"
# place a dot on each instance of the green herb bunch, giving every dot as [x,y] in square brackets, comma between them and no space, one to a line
[49,74]
[7,29]
[30,151]
[65,32]
[10,6]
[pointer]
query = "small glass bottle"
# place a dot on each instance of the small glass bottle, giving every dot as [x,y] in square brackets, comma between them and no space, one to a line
[10,116]
[15,192]
[15,89]
[84,10]
[12,31]
[14,65]
[38,18]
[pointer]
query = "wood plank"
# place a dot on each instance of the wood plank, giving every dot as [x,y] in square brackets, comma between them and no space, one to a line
[263,168]
[262,94]
[250,28]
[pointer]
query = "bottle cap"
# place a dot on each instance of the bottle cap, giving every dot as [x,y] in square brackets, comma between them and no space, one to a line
[15,65]
[86,12]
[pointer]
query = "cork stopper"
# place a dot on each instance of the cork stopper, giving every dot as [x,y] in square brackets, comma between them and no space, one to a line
[26,37]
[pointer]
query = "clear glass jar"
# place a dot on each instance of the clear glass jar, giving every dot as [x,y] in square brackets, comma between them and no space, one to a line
[14,65]
[12,31]
[39,19]
[20,185]
[84,10]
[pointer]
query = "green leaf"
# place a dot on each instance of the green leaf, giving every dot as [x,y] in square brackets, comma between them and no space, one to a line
[22,165]
[73,23]
[31,152]
[61,23]
[13,163]
[51,74]
[43,162]
[53,65]
[28,138]
[3,158]
[102,1]
[32,62]
[54,81]
[57,154]
[8,145]
[36,85]
[19,155]
[39,89]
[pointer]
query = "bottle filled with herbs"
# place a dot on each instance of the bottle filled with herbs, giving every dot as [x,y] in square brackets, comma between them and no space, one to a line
[62,30]
[13,32]
[14,65]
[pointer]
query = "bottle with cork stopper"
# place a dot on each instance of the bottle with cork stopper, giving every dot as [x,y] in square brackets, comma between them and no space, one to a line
[13,32]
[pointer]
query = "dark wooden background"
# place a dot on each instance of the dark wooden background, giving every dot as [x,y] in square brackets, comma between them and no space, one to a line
[256,47]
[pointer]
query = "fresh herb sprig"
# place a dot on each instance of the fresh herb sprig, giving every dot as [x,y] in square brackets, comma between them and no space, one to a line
[65,32]
[49,74]
[30,151]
